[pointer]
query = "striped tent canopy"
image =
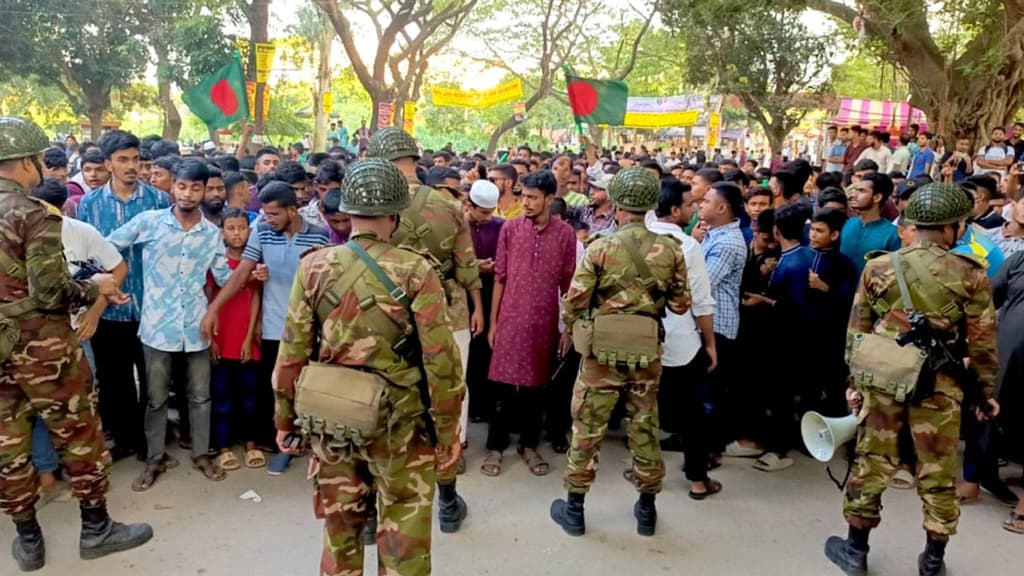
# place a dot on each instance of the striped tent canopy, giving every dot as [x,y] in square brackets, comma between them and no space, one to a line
[878,114]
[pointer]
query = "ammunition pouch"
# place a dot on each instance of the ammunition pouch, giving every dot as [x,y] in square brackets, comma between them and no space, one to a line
[880,364]
[583,336]
[347,404]
[625,340]
[10,329]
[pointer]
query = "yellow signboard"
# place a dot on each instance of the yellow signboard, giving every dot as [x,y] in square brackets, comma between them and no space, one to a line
[714,126]
[409,116]
[678,119]
[478,99]
[250,93]
[264,61]
[328,103]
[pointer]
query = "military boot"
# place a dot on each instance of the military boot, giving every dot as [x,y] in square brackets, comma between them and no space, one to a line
[451,508]
[102,536]
[569,514]
[930,562]
[646,515]
[28,548]
[850,554]
[370,530]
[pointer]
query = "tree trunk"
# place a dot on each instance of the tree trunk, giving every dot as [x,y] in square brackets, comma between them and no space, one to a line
[323,84]
[378,97]
[259,15]
[500,131]
[95,123]
[776,138]
[214,136]
[172,119]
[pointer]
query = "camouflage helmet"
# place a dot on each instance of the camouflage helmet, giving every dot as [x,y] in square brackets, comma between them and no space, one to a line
[937,204]
[391,144]
[21,138]
[374,187]
[634,189]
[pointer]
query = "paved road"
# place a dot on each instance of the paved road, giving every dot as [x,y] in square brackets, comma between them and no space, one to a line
[761,524]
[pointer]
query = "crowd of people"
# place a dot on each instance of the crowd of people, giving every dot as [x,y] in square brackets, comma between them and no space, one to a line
[207,245]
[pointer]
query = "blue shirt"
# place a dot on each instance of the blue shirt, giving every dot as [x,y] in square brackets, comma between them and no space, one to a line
[858,239]
[982,247]
[838,149]
[921,161]
[175,262]
[725,254]
[281,255]
[106,212]
[791,292]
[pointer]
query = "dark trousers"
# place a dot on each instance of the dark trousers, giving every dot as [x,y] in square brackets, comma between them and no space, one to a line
[720,388]
[521,407]
[264,429]
[179,390]
[234,389]
[980,461]
[122,401]
[559,395]
[481,400]
[681,410]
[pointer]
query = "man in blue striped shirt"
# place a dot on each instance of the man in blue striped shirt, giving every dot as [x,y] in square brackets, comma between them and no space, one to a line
[272,256]
[116,345]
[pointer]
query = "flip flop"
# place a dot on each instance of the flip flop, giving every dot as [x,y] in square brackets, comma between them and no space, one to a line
[1015,524]
[255,459]
[148,477]
[902,480]
[228,461]
[534,461]
[770,462]
[713,487]
[208,468]
[492,464]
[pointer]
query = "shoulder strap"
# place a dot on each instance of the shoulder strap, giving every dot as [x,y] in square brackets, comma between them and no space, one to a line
[331,297]
[897,267]
[371,264]
[638,255]
[417,227]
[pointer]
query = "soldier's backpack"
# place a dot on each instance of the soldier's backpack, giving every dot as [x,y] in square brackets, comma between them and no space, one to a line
[629,340]
[414,225]
[10,330]
[879,362]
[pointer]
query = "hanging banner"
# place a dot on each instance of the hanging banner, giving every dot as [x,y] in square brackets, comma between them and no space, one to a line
[385,114]
[250,93]
[478,99]
[667,112]
[328,102]
[409,116]
[519,109]
[714,129]
[264,61]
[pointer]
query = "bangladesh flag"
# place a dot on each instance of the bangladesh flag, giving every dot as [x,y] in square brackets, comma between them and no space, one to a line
[220,100]
[597,101]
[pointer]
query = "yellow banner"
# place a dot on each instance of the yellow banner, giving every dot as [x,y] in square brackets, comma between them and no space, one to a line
[661,119]
[328,103]
[264,61]
[715,120]
[409,116]
[250,93]
[714,125]
[478,99]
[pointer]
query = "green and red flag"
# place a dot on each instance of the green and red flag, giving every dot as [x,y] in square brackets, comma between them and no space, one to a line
[597,101]
[220,100]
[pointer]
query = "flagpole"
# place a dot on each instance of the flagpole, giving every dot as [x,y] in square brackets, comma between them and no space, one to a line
[579,125]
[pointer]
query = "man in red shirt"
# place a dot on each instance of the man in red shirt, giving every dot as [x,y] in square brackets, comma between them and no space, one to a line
[858,143]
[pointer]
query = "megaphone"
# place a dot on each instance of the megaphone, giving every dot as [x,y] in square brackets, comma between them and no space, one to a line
[822,436]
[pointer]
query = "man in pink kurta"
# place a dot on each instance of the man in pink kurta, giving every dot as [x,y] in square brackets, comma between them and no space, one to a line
[535,263]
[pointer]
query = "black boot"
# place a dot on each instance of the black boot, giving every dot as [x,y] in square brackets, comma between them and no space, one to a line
[646,515]
[930,562]
[850,554]
[102,536]
[451,508]
[569,514]
[28,549]
[370,530]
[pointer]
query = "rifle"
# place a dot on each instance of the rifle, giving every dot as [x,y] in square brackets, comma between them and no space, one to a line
[86,269]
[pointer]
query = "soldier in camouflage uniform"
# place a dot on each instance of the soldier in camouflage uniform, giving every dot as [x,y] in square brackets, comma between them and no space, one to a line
[43,372]
[435,226]
[952,291]
[401,460]
[607,281]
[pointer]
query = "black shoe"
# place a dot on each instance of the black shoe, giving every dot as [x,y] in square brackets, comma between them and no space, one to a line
[102,536]
[850,560]
[1001,491]
[451,514]
[28,548]
[559,443]
[646,515]
[673,443]
[569,514]
[930,562]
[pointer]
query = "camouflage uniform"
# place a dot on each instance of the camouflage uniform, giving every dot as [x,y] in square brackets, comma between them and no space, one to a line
[953,292]
[401,461]
[607,276]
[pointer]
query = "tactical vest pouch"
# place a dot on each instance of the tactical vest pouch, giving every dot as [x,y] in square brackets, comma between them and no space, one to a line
[583,337]
[10,329]
[627,339]
[341,402]
[878,363]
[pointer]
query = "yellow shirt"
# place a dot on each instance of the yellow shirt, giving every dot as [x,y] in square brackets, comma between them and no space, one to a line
[514,211]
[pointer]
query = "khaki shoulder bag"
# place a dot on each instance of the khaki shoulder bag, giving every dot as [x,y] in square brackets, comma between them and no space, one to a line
[10,329]
[879,363]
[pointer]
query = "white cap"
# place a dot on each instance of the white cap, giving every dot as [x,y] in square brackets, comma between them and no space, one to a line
[603,182]
[484,194]
[209,146]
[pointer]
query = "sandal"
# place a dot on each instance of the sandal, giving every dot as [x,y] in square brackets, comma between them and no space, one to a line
[534,461]
[713,487]
[208,468]
[492,464]
[771,462]
[968,493]
[629,476]
[902,480]
[148,477]
[1015,524]
[255,459]
[228,461]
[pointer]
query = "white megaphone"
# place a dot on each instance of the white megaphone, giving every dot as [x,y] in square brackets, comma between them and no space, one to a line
[822,436]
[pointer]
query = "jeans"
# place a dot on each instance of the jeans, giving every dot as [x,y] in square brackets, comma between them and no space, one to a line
[158,376]
[524,402]
[122,401]
[44,456]
[234,390]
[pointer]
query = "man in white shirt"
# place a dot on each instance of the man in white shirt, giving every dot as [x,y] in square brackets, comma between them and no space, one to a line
[877,150]
[996,156]
[689,352]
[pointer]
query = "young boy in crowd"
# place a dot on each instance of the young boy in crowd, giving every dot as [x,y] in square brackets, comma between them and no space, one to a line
[759,199]
[832,279]
[235,355]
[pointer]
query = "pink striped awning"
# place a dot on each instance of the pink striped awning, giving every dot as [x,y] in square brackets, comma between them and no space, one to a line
[878,114]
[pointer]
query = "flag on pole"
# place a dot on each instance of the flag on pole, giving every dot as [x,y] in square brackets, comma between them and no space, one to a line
[597,101]
[220,99]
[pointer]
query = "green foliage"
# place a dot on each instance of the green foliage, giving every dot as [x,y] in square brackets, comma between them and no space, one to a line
[190,33]
[46,105]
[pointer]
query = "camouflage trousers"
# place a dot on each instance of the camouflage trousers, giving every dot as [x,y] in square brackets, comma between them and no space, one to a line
[400,465]
[935,428]
[48,376]
[597,390]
